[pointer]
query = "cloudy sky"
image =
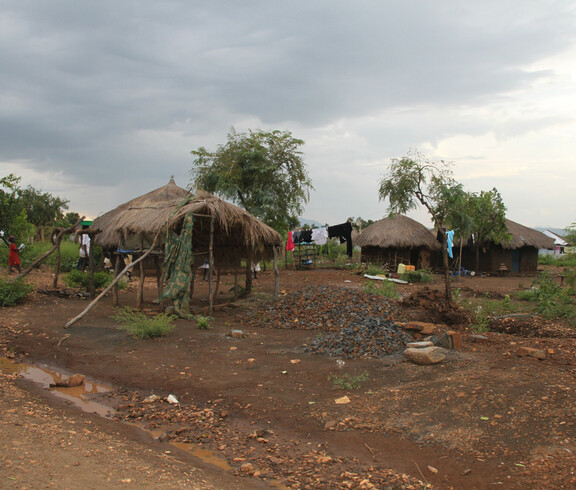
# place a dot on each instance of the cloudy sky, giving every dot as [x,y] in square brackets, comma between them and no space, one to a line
[102,101]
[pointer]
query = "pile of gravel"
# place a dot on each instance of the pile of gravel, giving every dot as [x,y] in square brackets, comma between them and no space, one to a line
[372,338]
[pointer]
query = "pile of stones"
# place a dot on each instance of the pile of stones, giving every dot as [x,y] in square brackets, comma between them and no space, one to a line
[361,324]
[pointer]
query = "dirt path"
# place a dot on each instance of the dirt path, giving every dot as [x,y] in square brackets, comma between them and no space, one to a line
[266,405]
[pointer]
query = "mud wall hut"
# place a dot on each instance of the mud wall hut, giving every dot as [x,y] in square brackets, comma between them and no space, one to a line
[397,239]
[517,255]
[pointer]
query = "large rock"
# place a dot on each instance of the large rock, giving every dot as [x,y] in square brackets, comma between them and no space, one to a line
[425,356]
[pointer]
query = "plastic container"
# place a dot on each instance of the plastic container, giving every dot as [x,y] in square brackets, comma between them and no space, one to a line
[401,268]
[410,268]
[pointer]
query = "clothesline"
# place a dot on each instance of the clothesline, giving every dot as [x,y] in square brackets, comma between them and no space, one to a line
[320,236]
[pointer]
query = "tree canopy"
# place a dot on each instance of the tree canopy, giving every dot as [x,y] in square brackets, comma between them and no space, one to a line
[262,171]
[23,209]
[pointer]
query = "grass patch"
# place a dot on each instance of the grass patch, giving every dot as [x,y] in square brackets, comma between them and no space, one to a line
[142,326]
[349,382]
[383,288]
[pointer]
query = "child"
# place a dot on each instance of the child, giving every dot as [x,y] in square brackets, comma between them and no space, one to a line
[13,257]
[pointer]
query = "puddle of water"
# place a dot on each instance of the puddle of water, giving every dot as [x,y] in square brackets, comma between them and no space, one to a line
[78,395]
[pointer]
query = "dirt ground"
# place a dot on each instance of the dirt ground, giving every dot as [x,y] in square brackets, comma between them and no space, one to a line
[258,409]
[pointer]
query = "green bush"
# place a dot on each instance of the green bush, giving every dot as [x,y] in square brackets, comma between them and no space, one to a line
[421,275]
[552,300]
[15,292]
[144,327]
[79,279]
[203,322]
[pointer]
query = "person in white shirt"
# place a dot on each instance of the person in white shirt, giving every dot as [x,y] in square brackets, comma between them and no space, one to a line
[84,253]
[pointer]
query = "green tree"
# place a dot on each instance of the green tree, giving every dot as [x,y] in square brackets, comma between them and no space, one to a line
[571,234]
[262,171]
[360,223]
[412,181]
[42,208]
[488,219]
[9,201]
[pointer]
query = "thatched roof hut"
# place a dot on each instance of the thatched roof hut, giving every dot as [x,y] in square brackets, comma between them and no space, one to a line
[522,236]
[519,254]
[189,230]
[397,239]
[134,224]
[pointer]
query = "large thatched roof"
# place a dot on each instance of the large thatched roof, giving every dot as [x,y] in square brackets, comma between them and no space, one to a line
[134,224]
[522,236]
[395,232]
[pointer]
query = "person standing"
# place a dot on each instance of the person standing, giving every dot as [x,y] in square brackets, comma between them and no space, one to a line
[13,255]
[84,253]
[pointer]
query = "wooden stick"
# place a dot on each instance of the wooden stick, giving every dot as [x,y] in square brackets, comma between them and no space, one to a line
[114,282]
[43,257]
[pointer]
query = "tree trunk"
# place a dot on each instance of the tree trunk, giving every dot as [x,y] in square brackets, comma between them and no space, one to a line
[477,254]
[446,264]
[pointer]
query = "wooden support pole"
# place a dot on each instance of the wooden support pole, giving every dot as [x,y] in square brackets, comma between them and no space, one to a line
[235,274]
[140,295]
[91,265]
[115,287]
[276,275]
[211,266]
[57,268]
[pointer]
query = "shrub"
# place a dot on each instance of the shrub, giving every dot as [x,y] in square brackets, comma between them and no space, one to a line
[144,327]
[15,292]
[552,301]
[79,279]
[481,321]
[203,322]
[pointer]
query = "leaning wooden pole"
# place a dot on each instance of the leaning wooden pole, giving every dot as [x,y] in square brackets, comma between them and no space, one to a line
[43,257]
[114,282]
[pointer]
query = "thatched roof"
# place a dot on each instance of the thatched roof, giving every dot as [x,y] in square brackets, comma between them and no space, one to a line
[134,224]
[522,236]
[395,232]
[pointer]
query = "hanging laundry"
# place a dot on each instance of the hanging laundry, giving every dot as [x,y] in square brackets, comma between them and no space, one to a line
[344,233]
[450,241]
[296,236]
[290,243]
[306,236]
[320,236]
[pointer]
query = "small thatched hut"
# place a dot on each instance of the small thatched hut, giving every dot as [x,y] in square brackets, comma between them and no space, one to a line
[397,239]
[519,254]
[198,227]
